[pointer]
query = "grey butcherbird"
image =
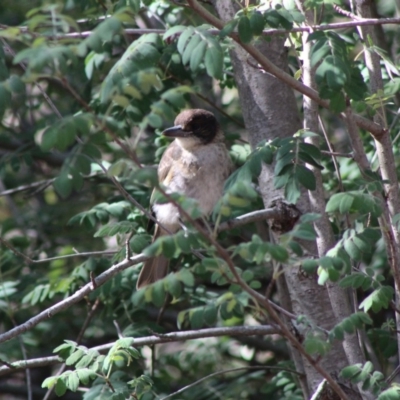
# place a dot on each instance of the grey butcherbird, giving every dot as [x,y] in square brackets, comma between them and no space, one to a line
[196,164]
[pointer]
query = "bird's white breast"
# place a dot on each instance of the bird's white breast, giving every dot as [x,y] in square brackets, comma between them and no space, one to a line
[199,173]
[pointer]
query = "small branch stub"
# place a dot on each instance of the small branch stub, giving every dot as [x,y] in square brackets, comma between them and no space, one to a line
[289,214]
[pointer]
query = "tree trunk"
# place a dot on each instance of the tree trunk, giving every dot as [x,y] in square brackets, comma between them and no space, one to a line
[269,111]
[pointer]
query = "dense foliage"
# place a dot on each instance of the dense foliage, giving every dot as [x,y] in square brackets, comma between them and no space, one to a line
[86,89]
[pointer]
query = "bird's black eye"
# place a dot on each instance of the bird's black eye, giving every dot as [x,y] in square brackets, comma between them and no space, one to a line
[195,125]
[204,128]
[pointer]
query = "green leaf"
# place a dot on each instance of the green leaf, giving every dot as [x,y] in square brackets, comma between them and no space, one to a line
[115,228]
[75,357]
[346,203]
[292,191]
[390,394]
[305,177]
[49,382]
[355,86]
[139,242]
[286,19]
[158,294]
[278,252]
[320,49]
[182,242]
[350,325]
[315,345]
[257,23]
[307,158]
[310,150]
[309,266]
[351,371]
[173,286]
[354,280]
[125,343]
[245,30]
[197,55]
[254,163]
[341,202]
[214,61]
[66,348]
[196,318]
[63,184]
[185,276]
[175,30]
[190,47]
[210,315]
[49,138]
[5,99]
[72,382]
[184,38]
[352,249]
[137,67]
[296,248]
[228,28]
[337,102]
[284,158]
[60,387]
[86,360]
[247,275]
[168,246]
[378,299]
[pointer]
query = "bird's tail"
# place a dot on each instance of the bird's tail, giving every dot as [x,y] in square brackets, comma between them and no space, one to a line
[155,268]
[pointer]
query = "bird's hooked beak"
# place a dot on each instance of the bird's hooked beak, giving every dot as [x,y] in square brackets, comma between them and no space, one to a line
[176,131]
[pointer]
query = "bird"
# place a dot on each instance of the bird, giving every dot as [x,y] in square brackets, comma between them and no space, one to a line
[196,164]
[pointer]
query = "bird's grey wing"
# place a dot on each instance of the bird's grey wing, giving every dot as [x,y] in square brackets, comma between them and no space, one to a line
[170,156]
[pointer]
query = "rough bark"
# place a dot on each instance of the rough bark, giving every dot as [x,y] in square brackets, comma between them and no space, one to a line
[339,297]
[269,111]
[384,149]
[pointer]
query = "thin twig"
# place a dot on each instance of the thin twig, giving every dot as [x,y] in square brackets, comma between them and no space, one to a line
[393,375]
[39,184]
[29,260]
[346,13]
[27,371]
[266,32]
[84,254]
[372,127]
[117,327]
[49,101]
[337,154]
[132,155]
[331,150]
[212,104]
[225,372]
[85,325]
[234,331]
[15,251]
[245,219]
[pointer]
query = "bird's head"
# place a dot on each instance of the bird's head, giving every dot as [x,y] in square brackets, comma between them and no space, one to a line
[195,126]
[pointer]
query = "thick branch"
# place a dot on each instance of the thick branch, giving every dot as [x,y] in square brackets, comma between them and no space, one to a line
[259,215]
[238,331]
[69,301]
[269,67]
